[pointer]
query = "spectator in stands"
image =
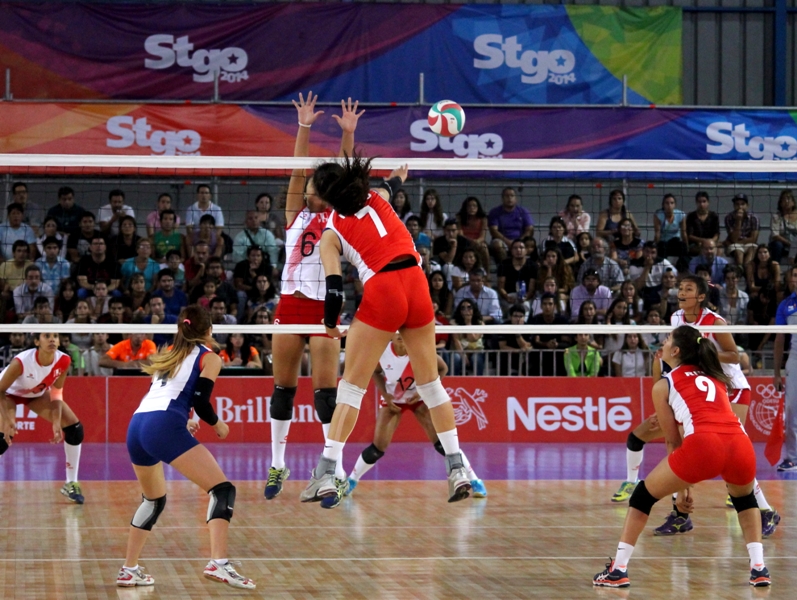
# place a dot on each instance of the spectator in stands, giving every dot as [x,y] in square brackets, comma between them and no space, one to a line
[13,230]
[42,312]
[219,316]
[708,258]
[636,306]
[123,246]
[483,296]
[663,297]
[167,237]
[517,276]
[91,357]
[421,240]
[246,272]
[631,360]
[549,286]
[67,299]
[263,294]
[432,217]
[208,232]
[175,262]
[742,227]
[66,212]
[402,205]
[513,346]
[263,342]
[440,292]
[129,354]
[203,206]
[546,362]
[582,360]
[255,235]
[762,270]
[783,228]
[30,290]
[196,264]
[208,293]
[273,220]
[588,315]
[173,299]
[154,218]
[16,344]
[12,272]
[553,265]
[137,294]
[239,352]
[591,289]
[467,356]
[65,345]
[82,315]
[116,314]
[576,220]
[79,243]
[141,263]
[448,248]
[609,219]
[583,249]
[54,269]
[646,271]
[224,289]
[473,224]
[702,224]
[713,288]
[610,272]
[654,341]
[110,214]
[627,246]
[669,226]
[460,272]
[50,229]
[558,239]
[97,265]
[33,214]
[761,311]
[428,264]
[612,342]
[158,316]
[99,303]
[733,301]
[508,222]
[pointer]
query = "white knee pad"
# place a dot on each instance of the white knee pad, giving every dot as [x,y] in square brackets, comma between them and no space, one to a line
[350,394]
[433,393]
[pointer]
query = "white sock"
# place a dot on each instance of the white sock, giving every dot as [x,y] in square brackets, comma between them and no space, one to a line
[360,469]
[632,462]
[130,568]
[756,552]
[759,496]
[624,552]
[72,461]
[221,561]
[340,472]
[279,440]
[466,463]
[450,441]
[333,450]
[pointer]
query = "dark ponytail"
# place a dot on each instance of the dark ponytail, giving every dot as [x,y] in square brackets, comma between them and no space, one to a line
[344,185]
[699,351]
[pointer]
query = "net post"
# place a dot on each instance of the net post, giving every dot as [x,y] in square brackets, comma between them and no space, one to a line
[625,90]
[8,96]
[421,95]
[215,98]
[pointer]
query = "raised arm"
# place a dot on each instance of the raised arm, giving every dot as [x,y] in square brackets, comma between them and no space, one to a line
[307,115]
[348,123]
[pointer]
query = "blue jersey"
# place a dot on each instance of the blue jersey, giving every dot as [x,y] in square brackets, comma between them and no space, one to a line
[787,315]
[175,394]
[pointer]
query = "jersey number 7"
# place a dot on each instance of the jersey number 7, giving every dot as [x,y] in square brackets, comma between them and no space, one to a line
[368,211]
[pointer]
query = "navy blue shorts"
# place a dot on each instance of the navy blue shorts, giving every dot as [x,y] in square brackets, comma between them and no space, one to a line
[158,436]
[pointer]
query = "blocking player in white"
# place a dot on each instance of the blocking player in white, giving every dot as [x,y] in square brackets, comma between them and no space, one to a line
[396,383]
[36,378]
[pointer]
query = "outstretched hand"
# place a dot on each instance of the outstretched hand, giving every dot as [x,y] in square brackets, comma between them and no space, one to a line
[399,172]
[349,117]
[306,109]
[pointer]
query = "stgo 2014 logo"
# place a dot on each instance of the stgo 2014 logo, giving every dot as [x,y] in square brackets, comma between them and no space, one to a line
[230,63]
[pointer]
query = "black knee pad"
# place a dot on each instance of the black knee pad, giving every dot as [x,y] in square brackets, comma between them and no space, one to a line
[633,443]
[281,407]
[3,444]
[73,434]
[438,445]
[324,399]
[372,454]
[222,501]
[641,499]
[147,514]
[744,502]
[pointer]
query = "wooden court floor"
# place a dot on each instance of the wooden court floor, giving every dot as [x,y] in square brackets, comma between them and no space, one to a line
[389,540]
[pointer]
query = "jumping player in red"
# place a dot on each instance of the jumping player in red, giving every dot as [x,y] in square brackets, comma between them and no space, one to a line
[36,378]
[714,443]
[365,228]
[302,300]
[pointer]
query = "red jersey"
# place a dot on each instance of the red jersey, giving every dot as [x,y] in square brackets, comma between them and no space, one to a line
[373,236]
[37,378]
[700,402]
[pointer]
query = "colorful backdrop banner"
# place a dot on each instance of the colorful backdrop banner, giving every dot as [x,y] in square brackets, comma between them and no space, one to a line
[375,52]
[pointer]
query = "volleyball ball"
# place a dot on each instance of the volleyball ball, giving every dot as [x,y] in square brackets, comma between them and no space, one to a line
[446,118]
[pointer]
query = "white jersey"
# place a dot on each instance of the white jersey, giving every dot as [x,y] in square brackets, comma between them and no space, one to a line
[399,378]
[37,379]
[707,318]
[177,393]
[303,271]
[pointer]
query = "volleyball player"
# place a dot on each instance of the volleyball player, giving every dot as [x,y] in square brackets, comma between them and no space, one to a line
[364,227]
[692,300]
[182,378]
[713,444]
[36,378]
[301,301]
[396,383]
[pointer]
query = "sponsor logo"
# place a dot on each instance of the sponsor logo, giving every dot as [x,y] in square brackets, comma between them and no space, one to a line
[255,410]
[474,145]
[536,66]
[25,422]
[128,131]
[229,63]
[570,413]
[764,407]
[730,137]
[468,406]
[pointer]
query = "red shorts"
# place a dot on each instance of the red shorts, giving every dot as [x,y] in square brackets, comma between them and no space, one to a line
[705,456]
[293,310]
[741,397]
[21,400]
[396,299]
[403,405]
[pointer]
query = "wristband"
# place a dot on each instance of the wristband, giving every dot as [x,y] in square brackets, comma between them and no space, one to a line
[303,125]
[333,301]
[392,185]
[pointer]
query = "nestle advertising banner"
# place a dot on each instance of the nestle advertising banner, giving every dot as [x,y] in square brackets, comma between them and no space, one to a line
[375,52]
[487,409]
